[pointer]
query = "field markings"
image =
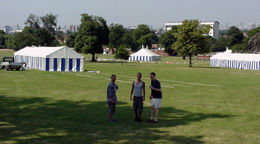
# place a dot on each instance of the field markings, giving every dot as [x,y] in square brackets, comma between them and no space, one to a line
[188,83]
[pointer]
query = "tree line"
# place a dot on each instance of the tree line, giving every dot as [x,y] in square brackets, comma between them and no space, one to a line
[189,39]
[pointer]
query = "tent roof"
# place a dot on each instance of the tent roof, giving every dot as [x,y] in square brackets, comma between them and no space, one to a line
[144,52]
[49,52]
[227,55]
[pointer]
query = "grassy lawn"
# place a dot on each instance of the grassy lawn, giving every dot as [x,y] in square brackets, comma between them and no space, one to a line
[202,104]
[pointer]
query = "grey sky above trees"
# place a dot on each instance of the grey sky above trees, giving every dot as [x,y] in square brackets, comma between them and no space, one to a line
[134,12]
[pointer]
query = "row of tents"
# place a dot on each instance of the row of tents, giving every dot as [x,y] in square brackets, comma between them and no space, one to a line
[66,59]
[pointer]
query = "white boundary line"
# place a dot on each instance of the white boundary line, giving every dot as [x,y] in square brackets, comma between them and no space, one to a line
[174,81]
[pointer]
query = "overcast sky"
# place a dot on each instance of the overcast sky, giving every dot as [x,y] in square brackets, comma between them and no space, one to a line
[133,12]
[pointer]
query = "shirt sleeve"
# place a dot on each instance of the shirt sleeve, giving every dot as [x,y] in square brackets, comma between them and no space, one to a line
[158,84]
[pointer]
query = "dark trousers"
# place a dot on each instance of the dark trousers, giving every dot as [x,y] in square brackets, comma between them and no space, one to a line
[138,104]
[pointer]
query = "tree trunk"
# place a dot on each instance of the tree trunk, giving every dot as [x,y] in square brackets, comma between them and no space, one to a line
[190,64]
[183,57]
[93,57]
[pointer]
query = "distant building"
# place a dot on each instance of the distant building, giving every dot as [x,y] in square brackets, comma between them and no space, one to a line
[253,26]
[132,27]
[73,28]
[16,27]
[7,29]
[214,31]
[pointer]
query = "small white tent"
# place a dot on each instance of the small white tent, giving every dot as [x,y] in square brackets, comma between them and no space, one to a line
[50,58]
[238,61]
[144,54]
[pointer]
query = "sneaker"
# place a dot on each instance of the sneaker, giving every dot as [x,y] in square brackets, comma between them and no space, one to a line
[150,121]
[136,118]
[112,120]
[154,122]
[139,120]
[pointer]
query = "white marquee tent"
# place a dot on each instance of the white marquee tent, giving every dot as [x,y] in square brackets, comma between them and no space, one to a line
[238,61]
[50,58]
[144,54]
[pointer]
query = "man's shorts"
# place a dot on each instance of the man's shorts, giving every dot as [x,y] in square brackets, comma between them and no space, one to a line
[111,108]
[156,102]
[138,104]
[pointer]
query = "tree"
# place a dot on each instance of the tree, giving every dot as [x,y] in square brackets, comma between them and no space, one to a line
[43,37]
[128,40]
[3,38]
[92,34]
[116,34]
[33,21]
[235,36]
[49,22]
[122,53]
[60,35]
[253,45]
[221,44]
[20,40]
[210,43]
[142,36]
[191,39]
[70,41]
[167,39]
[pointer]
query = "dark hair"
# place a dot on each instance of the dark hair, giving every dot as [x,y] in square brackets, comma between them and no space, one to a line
[140,74]
[153,73]
[113,75]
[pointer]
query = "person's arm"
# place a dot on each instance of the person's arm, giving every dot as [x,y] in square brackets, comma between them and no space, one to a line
[157,85]
[143,91]
[156,89]
[132,90]
[117,86]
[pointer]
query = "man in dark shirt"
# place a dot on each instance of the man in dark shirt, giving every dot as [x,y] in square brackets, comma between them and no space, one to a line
[156,96]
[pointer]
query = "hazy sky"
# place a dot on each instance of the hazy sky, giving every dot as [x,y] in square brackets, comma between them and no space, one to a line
[133,12]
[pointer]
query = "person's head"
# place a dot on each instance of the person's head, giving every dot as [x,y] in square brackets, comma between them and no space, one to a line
[139,76]
[152,75]
[113,78]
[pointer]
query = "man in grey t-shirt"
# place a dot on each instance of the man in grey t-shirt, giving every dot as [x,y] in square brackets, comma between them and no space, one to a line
[138,88]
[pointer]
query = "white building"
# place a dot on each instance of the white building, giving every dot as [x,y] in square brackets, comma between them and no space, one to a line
[214,31]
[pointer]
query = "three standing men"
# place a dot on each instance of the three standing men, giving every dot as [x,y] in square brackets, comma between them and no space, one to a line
[138,88]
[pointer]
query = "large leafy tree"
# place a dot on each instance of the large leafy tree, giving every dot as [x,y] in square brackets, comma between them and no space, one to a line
[93,33]
[116,35]
[33,21]
[191,39]
[235,36]
[49,22]
[142,36]
[167,39]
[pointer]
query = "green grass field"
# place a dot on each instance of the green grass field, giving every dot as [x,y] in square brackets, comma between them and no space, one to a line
[202,104]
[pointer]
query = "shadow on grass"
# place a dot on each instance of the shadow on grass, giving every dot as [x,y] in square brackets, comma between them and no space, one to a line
[41,120]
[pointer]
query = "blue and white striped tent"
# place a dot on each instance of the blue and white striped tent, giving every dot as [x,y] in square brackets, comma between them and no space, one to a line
[144,54]
[50,58]
[236,60]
